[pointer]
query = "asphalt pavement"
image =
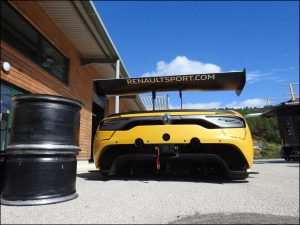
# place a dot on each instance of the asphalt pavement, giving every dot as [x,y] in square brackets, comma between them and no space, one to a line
[272,196]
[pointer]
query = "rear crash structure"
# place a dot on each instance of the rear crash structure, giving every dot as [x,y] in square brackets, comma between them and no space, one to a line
[204,142]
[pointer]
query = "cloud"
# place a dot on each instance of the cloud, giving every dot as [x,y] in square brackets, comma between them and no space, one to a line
[284,69]
[255,76]
[210,105]
[183,65]
[251,103]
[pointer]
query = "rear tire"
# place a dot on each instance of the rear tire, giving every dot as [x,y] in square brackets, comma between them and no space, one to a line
[104,173]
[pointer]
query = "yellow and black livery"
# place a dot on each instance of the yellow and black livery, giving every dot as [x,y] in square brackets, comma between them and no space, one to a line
[203,141]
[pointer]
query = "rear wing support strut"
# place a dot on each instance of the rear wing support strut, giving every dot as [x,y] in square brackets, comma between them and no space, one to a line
[153,99]
[180,96]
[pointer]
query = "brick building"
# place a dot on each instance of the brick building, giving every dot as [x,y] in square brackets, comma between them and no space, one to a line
[58,48]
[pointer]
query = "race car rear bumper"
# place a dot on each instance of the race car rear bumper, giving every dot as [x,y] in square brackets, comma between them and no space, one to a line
[180,160]
[233,145]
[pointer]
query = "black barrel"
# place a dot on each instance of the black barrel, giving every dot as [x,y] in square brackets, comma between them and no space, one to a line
[2,168]
[41,156]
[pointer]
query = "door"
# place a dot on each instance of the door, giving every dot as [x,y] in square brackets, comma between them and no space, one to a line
[7,110]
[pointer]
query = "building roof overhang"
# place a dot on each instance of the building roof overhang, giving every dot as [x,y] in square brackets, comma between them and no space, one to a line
[82,25]
[289,108]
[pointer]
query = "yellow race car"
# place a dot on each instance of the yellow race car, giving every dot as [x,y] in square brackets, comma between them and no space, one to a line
[201,141]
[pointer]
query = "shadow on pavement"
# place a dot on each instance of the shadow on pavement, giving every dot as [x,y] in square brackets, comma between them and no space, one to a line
[96,176]
[236,218]
[275,161]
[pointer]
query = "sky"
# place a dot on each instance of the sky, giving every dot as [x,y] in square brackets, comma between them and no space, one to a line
[176,37]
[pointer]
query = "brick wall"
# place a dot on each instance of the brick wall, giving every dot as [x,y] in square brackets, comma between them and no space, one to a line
[29,76]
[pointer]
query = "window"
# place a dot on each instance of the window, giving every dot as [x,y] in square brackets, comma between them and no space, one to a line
[21,35]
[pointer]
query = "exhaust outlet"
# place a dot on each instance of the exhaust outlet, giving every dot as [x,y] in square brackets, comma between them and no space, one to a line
[138,142]
[195,142]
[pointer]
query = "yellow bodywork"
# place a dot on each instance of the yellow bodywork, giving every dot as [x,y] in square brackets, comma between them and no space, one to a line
[179,133]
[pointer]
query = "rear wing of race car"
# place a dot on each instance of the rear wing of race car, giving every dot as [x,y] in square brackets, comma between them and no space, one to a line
[192,82]
[197,82]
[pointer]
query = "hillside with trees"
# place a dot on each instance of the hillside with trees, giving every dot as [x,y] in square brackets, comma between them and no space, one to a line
[265,133]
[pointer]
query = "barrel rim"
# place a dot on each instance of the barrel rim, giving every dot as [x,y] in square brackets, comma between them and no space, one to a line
[41,146]
[48,98]
[42,152]
[38,201]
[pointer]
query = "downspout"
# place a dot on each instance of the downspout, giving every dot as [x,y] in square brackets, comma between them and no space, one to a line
[117,98]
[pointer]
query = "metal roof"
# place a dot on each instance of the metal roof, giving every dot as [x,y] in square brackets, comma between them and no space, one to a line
[161,102]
